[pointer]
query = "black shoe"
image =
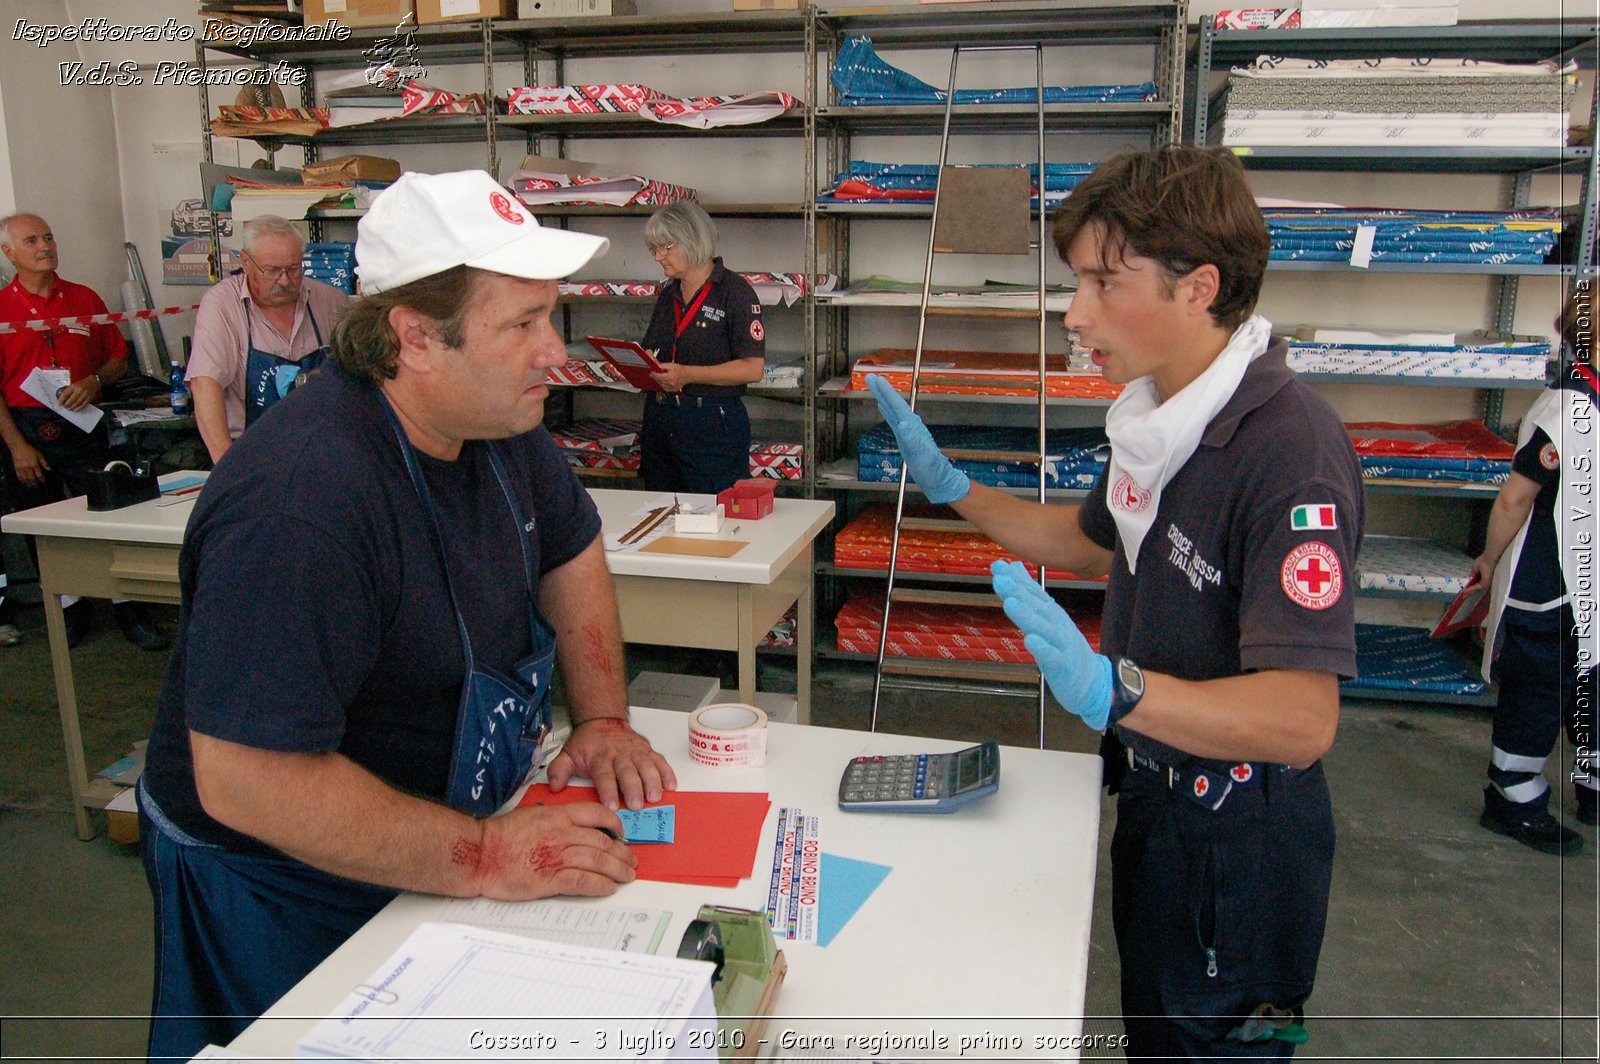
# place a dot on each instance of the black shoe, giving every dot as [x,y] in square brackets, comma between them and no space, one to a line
[80,621]
[1585,809]
[137,628]
[1541,831]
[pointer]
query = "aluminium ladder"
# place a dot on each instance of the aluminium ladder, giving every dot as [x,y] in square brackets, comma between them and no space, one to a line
[996,189]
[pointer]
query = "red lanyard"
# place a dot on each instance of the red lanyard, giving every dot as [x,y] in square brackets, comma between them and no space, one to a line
[681,317]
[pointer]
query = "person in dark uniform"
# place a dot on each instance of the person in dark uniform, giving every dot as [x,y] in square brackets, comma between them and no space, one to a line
[1531,562]
[707,332]
[1228,519]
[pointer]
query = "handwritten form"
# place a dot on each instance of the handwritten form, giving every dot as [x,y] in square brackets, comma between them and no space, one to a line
[453,992]
[594,926]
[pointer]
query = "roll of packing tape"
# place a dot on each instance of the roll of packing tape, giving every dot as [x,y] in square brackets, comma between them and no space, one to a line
[728,734]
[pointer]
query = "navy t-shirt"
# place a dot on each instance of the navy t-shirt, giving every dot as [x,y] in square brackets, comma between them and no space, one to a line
[727,326]
[1538,578]
[315,613]
[1249,564]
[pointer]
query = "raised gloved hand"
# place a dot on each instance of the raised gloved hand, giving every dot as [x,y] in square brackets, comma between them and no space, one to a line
[1078,677]
[938,478]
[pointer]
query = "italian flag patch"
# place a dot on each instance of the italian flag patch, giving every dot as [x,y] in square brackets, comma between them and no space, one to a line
[1315,517]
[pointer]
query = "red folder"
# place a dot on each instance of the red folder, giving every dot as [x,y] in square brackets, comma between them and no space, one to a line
[629,359]
[718,833]
[1469,609]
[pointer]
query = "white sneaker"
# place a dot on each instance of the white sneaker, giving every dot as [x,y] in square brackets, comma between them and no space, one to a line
[10,635]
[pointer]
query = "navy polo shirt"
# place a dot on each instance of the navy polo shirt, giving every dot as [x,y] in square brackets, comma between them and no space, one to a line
[727,326]
[1249,564]
[1538,579]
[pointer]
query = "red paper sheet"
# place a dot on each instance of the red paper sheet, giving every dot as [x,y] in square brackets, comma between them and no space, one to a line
[716,834]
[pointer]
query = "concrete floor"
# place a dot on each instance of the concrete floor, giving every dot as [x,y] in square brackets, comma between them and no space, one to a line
[1444,942]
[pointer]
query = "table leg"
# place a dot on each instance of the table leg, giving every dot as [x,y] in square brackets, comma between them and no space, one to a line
[803,655]
[747,645]
[67,698]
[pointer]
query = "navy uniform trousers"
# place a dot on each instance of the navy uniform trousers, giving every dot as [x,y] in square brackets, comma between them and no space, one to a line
[1218,911]
[1541,687]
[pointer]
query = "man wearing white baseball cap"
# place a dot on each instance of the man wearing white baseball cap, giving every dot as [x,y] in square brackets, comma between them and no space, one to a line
[377,583]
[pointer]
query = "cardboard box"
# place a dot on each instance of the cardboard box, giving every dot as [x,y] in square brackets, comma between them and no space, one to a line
[575,8]
[358,14]
[122,819]
[1258,18]
[665,690]
[351,168]
[432,12]
[769,5]
[748,500]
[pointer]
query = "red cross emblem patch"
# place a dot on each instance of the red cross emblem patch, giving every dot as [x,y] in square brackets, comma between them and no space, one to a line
[1201,786]
[1241,773]
[1549,457]
[1126,494]
[1312,576]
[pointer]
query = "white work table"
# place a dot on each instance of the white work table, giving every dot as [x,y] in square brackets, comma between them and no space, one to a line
[721,603]
[981,928]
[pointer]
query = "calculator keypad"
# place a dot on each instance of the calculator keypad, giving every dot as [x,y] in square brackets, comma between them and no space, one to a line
[894,778]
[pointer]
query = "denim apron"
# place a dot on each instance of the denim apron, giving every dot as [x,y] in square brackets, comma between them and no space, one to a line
[269,377]
[501,719]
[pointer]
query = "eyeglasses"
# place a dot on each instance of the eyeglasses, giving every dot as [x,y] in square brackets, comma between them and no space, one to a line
[282,273]
[659,250]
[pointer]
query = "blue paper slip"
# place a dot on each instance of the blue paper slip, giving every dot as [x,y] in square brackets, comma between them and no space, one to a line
[846,885]
[179,483]
[655,824]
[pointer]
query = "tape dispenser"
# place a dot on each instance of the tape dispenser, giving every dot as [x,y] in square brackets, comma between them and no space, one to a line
[749,970]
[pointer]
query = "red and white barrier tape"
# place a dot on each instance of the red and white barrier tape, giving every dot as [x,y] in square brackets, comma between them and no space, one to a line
[46,324]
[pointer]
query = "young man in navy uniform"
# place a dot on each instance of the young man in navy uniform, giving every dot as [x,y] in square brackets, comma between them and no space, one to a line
[1228,519]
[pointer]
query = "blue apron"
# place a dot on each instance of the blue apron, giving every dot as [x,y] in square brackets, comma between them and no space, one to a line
[269,377]
[502,719]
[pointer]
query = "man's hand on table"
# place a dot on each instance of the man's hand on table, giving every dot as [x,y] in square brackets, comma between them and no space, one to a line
[541,851]
[617,760]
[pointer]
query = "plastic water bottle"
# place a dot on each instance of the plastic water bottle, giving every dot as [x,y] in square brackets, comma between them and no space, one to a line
[181,404]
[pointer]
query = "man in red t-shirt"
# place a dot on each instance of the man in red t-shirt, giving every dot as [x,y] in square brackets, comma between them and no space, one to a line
[46,456]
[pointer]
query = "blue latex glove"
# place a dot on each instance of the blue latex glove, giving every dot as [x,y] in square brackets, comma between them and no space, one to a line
[935,474]
[1078,677]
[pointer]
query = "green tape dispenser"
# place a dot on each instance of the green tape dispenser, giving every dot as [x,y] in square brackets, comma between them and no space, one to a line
[750,969]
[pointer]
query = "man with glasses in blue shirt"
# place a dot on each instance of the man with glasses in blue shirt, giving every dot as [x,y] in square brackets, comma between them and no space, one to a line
[258,333]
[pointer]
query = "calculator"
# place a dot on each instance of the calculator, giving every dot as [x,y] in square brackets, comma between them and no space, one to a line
[920,783]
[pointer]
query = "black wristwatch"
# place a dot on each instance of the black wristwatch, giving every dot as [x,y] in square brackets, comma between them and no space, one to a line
[1127,687]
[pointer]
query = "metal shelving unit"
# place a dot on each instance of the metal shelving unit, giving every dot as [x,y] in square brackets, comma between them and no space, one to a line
[1504,41]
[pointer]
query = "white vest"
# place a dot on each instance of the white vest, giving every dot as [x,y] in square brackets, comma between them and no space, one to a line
[1568,418]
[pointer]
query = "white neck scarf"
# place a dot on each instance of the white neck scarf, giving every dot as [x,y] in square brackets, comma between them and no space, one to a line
[1151,440]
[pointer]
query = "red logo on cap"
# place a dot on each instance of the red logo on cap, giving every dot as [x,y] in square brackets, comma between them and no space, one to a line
[503,207]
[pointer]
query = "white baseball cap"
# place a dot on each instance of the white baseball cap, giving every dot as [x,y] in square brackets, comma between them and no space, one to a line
[424,224]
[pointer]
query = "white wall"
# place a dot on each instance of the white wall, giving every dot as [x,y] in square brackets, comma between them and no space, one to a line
[60,151]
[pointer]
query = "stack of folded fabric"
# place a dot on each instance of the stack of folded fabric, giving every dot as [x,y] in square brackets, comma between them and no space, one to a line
[700,112]
[1366,234]
[981,373]
[604,444]
[869,182]
[1400,563]
[332,263]
[1454,451]
[771,288]
[864,544]
[1432,102]
[777,461]
[1510,360]
[960,633]
[861,77]
[1394,658]
[1074,458]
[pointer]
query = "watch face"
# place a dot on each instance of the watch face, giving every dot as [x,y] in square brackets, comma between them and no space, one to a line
[1131,677]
